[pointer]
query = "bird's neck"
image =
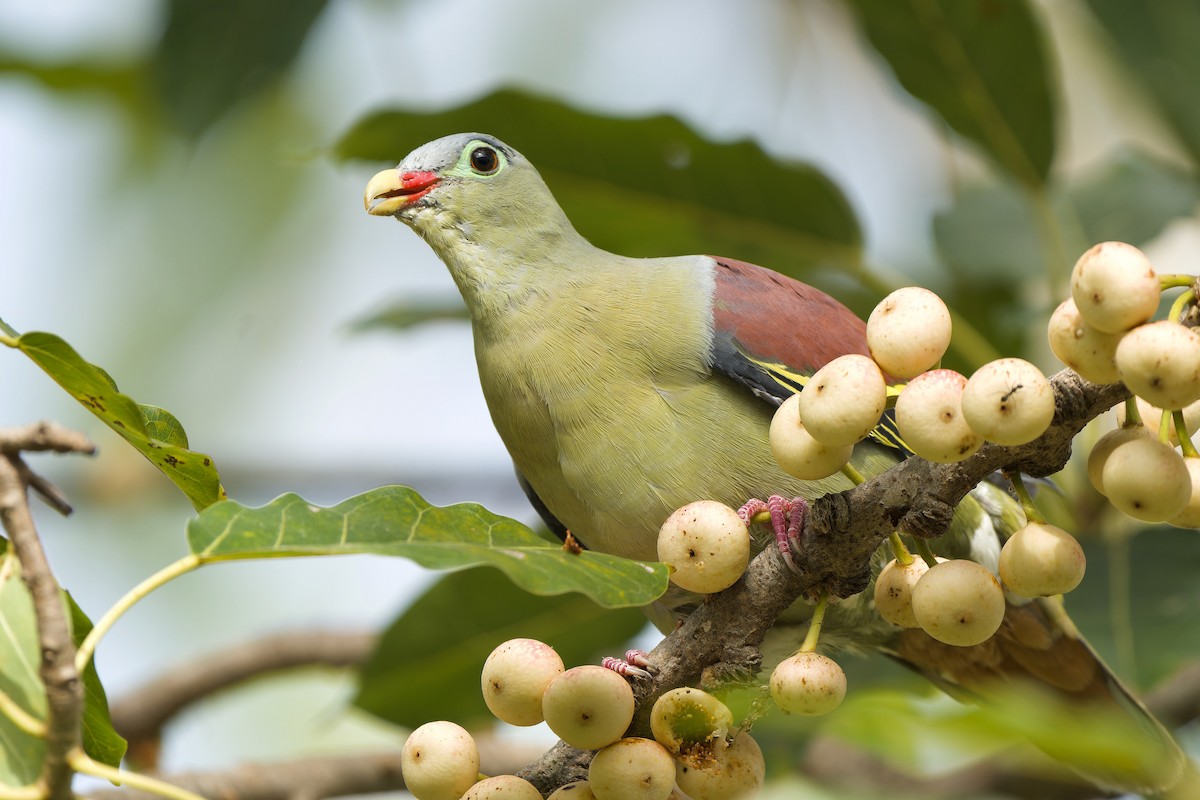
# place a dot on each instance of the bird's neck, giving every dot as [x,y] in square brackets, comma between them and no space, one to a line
[502,269]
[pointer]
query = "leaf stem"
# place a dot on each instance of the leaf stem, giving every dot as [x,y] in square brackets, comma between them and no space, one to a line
[853,474]
[1184,435]
[1164,428]
[168,573]
[21,718]
[814,626]
[1180,304]
[902,554]
[33,791]
[80,762]
[1032,514]
[1133,417]
[1175,281]
[923,550]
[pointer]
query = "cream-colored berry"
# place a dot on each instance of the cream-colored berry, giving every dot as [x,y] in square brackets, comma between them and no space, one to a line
[843,400]
[929,417]
[439,761]
[736,773]
[1008,401]
[588,707]
[1151,416]
[959,602]
[808,684]
[1087,350]
[908,332]
[1190,516]
[706,545]
[503,787]
[1115,287]
[632,769]
[797,452]
[1104,447]
[687,720]
[1040,560]
[893,591]
[1147,480]
[515,677]
[1161,362]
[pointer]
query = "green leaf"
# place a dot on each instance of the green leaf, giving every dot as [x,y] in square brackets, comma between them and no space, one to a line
[1132,198]
[981,65]
[20,753]
[404,314]
[100,739]
[1105,743]
[427,664]
[1158,44]
[648,186]
[141,426]
[1164,602]
[215,53]
[396,521]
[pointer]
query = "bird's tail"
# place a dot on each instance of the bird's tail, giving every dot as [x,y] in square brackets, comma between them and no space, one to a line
[1038,647]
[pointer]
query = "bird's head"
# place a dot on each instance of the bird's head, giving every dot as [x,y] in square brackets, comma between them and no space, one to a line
[469,186]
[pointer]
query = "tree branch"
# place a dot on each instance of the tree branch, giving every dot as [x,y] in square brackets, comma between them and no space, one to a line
[141,715]
[64,689]
[841,535]
[324,776]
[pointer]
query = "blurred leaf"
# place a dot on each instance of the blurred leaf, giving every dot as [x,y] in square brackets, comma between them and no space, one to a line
[404,314]
[100,739]
[194,473]
[20,753]
[960,57]
[1158,44]
[1103,743]
[396,521]
[428,662]
[1164,601]
[1132,198]
[20,681]
[646,186]
[215,53]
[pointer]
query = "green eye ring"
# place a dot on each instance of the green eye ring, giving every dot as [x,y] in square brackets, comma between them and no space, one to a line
[484,160]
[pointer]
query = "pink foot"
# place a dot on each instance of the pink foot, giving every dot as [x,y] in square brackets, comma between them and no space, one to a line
[787,520]
[635,664]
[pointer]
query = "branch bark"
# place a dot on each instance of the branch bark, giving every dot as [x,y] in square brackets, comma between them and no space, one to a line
[141,715]
[841,534]
[64,689]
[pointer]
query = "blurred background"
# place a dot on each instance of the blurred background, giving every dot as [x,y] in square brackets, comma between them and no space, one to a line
[181,201]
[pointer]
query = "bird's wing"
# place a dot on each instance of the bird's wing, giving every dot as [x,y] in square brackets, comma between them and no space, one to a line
[770,333]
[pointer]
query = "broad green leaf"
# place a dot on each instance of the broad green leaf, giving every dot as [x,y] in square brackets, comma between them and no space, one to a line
[647,186]
[396,521]
[427,663]
[1157,42]
[981,65]
[1132,198]
[155,433]
[1102,742]
[215,53]
[100,739]
[1164,602]
[20,753]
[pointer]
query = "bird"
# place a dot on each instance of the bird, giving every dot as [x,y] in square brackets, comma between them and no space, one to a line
[624,388]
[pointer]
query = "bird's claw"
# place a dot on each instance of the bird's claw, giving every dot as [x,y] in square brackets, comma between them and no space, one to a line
[787,521]
[636,664]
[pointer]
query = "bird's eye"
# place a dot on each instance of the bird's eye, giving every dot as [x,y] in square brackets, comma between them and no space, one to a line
[484,160]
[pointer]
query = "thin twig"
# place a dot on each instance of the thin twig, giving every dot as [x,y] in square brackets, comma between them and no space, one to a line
[64,689]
